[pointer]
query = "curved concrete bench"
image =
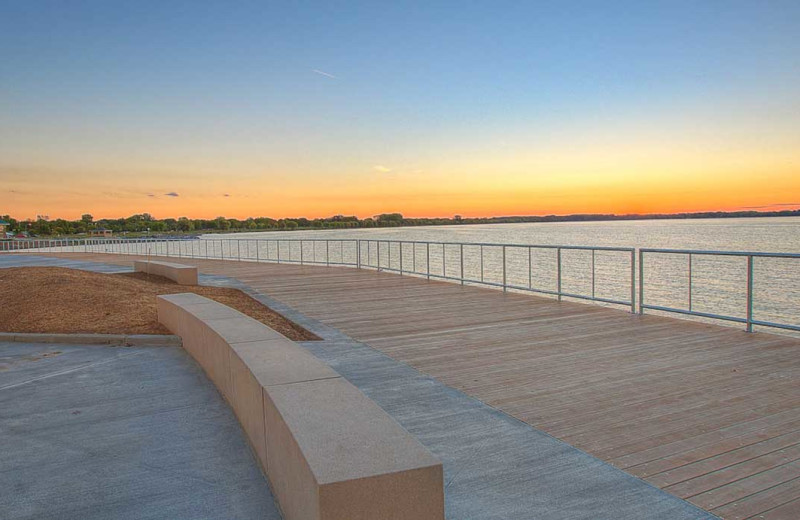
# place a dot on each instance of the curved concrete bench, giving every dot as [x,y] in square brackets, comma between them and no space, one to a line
[328,451]
[183,274]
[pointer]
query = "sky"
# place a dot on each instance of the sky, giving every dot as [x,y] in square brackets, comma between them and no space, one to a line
[283,109]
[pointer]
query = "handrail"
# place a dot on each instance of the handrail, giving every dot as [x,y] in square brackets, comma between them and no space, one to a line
[748,320]
[461,262]
[721,253]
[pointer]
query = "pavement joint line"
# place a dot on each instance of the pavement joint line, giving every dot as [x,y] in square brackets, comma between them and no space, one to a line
[115,340]
[68,371]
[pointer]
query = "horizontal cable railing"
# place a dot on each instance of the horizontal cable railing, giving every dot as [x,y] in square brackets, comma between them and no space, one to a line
[506,266]
[775,278]
[601,274]
[606,275]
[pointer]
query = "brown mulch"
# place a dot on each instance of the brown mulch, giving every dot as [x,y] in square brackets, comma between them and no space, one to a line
[69,301]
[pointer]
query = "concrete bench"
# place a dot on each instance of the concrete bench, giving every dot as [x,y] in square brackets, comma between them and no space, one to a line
[329,452]
[183,274]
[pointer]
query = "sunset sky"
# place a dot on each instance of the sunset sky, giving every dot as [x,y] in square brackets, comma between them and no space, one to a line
[284,109]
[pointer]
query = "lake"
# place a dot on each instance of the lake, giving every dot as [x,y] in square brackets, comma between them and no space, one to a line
[712,284]
[732,234]
[718,283]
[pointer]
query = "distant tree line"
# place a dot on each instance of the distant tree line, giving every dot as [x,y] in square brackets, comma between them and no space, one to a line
[145,224]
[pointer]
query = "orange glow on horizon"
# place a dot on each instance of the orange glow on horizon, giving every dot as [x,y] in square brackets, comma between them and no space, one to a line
[604,178]
[481,199]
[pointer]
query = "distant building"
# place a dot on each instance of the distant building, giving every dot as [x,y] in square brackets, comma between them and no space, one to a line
[3,227]
[100,232]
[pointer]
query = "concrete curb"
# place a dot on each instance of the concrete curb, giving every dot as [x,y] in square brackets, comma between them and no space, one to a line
[120,340]
[328,451]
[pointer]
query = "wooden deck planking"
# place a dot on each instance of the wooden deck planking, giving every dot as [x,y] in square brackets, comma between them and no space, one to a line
[766,504]
[706,412]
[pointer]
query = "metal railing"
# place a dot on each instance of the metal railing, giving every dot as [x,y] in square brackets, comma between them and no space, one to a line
[601,274]
[504,266]
[747,318]
[461,254]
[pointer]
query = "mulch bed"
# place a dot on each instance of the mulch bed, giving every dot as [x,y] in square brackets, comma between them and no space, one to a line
[69,301]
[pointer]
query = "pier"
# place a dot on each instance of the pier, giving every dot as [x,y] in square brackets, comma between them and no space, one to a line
[708,413]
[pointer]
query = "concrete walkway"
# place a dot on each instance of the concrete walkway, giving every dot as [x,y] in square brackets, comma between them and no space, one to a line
[97,432]
[496,467]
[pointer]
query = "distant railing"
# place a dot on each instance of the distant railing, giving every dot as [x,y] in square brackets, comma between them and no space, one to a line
[600,274]
[543,269]
[747,317]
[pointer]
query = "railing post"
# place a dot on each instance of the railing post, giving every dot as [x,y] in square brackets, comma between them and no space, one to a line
[641,281]
[327,253]
[690,282]
[258,253]
[358,254]
[278,246]
[504,269]
[444,261]
[462,263]
[414,256]
[558,255]
[750,293]
[428,261]
[481,262]
[301,251]
[633,279]
[400,243]
[530,268]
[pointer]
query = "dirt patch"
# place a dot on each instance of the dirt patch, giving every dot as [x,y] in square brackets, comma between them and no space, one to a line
[69,301]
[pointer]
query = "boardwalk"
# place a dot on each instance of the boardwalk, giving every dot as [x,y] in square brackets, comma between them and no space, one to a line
[708,413]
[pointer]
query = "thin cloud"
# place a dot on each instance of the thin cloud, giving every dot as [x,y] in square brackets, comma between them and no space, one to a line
[151,194]
[171,194]
[226,194]
[782,204]
[381,169]
[323,73]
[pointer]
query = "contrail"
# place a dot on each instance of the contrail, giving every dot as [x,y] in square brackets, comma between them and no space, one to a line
[323,73]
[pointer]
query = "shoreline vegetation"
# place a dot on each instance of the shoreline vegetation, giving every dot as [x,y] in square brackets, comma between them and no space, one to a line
[145,225]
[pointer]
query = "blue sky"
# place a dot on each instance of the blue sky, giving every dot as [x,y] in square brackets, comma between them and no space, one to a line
[229,89]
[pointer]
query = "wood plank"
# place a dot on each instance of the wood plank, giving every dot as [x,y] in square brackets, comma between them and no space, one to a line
[708,412]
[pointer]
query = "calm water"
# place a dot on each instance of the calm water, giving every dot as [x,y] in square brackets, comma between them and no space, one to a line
[718,284]
[752,234]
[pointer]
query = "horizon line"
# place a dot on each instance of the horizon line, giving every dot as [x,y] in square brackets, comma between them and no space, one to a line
[457,217]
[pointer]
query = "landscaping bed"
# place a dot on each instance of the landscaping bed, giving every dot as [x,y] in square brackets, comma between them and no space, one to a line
[69,301]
